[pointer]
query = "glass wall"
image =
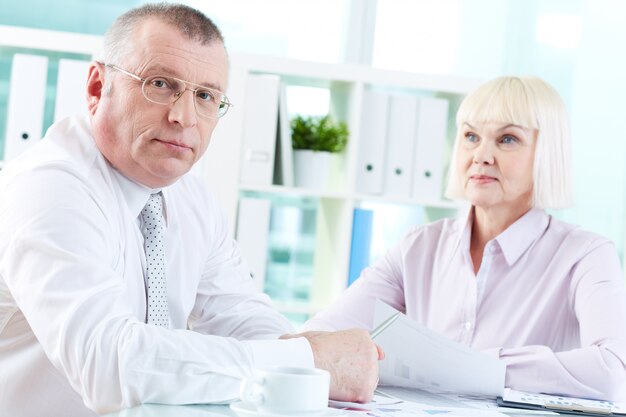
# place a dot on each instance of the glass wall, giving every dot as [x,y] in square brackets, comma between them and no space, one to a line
[575,45]
[81,16]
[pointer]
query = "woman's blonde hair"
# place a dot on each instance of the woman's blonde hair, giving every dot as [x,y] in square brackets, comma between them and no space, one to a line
[531,103]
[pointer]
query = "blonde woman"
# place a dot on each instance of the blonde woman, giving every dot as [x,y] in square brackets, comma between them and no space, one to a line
[544,296]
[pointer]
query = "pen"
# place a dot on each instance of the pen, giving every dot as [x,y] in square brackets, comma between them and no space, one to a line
[577,408]
[382,326]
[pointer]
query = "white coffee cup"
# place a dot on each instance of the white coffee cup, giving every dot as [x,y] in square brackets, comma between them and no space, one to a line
[287,390]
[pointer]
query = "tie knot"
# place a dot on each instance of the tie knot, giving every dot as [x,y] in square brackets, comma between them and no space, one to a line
[152,212]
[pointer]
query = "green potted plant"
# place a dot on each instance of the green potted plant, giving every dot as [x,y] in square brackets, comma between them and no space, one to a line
[315,140]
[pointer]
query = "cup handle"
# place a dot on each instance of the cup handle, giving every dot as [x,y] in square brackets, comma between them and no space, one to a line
[249,390]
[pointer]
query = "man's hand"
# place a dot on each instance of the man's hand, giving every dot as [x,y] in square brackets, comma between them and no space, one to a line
[352,360]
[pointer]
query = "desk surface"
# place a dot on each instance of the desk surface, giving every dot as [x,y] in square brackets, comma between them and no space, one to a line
[155,410]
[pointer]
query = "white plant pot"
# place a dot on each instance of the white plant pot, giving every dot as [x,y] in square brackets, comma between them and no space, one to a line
[311,168]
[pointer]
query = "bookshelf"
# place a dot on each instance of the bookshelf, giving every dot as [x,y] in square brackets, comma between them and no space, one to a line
[334,206]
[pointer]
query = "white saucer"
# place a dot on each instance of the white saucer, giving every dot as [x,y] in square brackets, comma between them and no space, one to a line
[245,409]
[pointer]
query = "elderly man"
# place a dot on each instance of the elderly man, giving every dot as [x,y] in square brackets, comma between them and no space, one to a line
[118,282]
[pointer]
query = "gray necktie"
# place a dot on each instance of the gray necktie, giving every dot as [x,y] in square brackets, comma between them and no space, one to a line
[153,225]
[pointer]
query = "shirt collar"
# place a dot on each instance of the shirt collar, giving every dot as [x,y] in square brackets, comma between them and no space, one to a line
[514,241]
[136,195]
[520,236]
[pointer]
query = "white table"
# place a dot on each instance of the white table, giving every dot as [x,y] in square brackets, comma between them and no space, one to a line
[157,410]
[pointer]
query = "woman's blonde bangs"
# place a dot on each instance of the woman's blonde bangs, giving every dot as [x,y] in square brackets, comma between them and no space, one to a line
[502,100]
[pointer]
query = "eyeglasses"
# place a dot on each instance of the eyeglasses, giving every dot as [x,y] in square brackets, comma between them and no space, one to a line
[164,90]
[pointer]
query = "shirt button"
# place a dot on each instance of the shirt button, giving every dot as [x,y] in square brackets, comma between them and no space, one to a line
[467,325]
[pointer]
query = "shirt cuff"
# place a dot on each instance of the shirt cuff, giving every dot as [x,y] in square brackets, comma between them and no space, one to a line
[493,352]
[284,352]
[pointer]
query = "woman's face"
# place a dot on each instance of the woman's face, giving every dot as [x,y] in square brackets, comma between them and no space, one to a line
[495,162]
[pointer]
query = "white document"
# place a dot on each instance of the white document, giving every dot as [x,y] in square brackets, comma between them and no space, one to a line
[417,357]
[253,225]
[71,95]
[401,132]
[372,140]
[259,129]
[430,141]
[27,95]
[377,402]
[454,401]
[384,405]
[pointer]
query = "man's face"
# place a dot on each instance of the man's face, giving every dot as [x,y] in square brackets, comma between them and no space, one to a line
[150,143]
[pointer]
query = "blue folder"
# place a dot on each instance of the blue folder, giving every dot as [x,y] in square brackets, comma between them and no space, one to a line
[361,241]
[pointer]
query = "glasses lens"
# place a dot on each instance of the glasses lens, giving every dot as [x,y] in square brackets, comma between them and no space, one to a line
[166,90]
[161,90]
[208,102]
[224,106]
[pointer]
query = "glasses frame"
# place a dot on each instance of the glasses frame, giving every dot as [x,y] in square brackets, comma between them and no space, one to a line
[223,102]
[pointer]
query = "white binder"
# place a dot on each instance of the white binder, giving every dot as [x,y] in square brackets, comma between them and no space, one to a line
[432,126]
[371,155]
[27,96]
[253,226]
[259,129]
[71,92]
[400,144]
[285,164]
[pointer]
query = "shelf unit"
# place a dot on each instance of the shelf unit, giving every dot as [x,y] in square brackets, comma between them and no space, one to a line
[222,164]
[49,40]
[335,206]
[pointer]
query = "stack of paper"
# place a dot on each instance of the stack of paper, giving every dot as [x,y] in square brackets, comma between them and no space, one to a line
[417,357]
[430,371]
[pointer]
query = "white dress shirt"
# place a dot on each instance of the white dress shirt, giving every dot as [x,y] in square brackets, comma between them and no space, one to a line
[73,297]
[549,300]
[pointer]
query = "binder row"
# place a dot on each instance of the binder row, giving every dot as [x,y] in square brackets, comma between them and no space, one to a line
[27,98]
[401,145]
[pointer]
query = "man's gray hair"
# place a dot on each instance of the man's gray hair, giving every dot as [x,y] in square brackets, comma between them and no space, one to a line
[189,21]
